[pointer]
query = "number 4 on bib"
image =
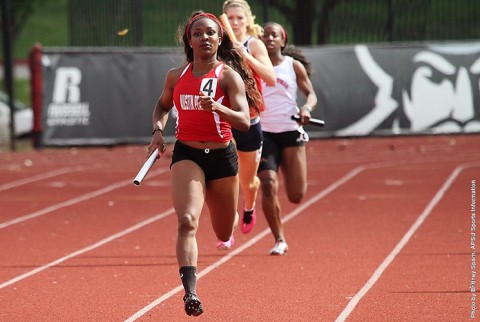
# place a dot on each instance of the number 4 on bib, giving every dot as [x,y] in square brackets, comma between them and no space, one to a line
[209,86]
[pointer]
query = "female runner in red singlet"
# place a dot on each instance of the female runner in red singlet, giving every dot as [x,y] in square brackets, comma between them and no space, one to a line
[211,93]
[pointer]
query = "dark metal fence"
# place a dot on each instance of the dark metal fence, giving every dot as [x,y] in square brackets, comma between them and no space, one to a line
[132,22]
[357,21]
[155,22]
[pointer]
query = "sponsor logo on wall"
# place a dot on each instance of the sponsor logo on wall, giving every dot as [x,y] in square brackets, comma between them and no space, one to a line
[362,90]
[66,108]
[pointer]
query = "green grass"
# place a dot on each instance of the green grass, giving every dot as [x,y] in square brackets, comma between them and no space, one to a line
[48,25]
[21,90]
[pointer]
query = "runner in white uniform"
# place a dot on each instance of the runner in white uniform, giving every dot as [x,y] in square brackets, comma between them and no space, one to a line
[283,138]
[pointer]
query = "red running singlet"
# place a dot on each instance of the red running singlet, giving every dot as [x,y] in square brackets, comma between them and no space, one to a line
[194,123]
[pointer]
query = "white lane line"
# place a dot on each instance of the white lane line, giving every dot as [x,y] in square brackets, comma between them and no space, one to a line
[253,240]
[38,177]
[75,200]
[389,259]
[88,248]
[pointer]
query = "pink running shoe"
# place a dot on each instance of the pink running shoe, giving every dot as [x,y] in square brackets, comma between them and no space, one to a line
[226,245]
[248,221]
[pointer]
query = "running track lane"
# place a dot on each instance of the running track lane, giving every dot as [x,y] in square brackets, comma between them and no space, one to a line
[140,225]
[329,208]
[382,313]
[435,312]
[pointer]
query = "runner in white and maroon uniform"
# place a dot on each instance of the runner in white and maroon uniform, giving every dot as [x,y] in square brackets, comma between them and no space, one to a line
[283,138]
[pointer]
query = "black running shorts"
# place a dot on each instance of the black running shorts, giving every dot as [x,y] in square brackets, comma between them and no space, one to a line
[274,143]
[250,140]
[215,163]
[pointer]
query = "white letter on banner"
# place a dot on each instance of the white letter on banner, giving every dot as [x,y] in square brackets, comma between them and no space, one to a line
[67,85]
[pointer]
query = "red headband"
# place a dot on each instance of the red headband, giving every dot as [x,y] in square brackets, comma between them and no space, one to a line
[284,34]
[204,15]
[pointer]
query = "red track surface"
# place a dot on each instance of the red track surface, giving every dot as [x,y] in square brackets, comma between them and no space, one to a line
[384,234]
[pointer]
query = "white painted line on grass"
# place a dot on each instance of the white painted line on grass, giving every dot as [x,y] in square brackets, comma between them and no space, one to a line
[389,259]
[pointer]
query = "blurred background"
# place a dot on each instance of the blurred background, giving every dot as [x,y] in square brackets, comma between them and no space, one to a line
[154,23]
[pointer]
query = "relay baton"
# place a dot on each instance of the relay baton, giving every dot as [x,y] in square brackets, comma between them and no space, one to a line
[145,168]
[228,28]
[313,121]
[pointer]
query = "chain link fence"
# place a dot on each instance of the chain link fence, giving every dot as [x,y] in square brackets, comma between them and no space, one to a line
[134,22]
[155,22]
